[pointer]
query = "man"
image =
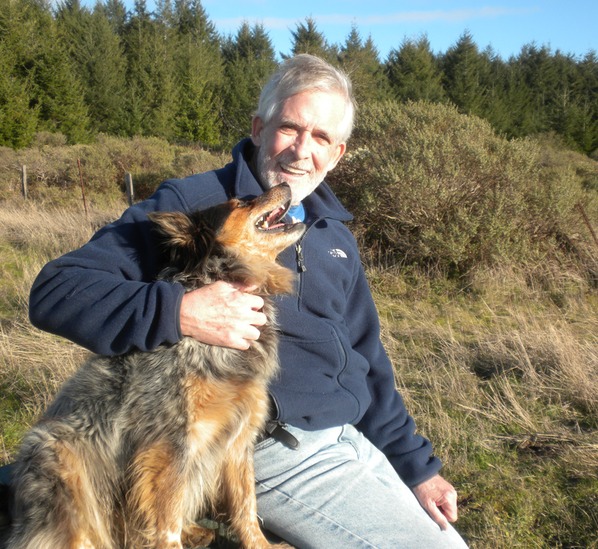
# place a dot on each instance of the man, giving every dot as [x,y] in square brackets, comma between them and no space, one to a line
[343,466]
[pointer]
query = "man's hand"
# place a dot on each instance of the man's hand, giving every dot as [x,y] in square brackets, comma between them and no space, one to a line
[438,497]
[222,314]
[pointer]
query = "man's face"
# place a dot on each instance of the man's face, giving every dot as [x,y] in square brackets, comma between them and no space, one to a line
[298,146]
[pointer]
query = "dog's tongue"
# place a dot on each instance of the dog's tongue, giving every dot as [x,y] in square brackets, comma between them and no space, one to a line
[272,220]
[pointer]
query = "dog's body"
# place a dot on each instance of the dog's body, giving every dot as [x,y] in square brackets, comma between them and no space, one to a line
[135,447]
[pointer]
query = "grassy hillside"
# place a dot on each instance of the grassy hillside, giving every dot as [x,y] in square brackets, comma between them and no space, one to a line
[495,348]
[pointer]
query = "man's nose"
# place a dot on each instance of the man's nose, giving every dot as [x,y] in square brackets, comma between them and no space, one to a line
[302,144]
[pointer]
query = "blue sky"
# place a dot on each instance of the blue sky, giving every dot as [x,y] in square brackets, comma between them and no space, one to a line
[570,26]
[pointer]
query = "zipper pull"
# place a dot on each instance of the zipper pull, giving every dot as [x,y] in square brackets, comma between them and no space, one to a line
[300,261]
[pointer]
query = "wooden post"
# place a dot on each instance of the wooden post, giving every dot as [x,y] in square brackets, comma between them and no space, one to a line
[82,188]
[24,181]
[586,219]
[129,188]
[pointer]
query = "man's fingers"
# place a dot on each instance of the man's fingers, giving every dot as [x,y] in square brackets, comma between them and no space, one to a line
[449,507]
[437,516]
[222,314]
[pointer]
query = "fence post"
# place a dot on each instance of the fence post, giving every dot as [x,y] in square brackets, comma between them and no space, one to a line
[24,181]
[586,219]
[82,188]
[129,188]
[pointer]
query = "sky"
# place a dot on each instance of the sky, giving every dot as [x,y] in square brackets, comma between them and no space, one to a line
[570,26]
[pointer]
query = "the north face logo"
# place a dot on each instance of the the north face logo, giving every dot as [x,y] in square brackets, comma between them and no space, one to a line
[337,252]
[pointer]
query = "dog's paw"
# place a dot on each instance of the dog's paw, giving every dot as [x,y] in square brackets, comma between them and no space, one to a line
[195,535]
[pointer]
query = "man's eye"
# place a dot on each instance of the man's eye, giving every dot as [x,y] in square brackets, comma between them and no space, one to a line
[322,138]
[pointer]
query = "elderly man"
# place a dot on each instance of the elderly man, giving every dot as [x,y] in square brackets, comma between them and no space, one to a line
[340,464]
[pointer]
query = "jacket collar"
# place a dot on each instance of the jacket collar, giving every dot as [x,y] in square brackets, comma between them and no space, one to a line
[319,204]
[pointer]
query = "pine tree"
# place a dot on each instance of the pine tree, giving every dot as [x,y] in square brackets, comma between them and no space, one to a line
[308,39]
[18,120]
[539,76]
[463,68]
[249,61]
[152,98]
[360,60]
[199,74]
[98,57]
[116,13]
[56,89]
[586,94]
[413,72]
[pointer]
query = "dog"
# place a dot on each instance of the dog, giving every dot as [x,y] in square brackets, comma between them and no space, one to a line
[136,447]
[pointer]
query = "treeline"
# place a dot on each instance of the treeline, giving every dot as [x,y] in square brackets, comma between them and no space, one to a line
[82,71]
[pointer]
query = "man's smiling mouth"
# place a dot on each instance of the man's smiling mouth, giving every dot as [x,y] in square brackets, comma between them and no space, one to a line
[293,170]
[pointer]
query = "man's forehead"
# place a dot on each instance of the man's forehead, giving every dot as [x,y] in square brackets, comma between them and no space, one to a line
[313,110]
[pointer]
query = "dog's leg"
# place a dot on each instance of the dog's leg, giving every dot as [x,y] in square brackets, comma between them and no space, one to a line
[155,501]
[239,491]
[55,504]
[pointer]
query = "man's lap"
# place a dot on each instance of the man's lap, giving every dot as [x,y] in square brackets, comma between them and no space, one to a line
[338,490]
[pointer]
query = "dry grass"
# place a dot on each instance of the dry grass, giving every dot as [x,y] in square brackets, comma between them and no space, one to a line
[502,376]
[505,382]
[33,364]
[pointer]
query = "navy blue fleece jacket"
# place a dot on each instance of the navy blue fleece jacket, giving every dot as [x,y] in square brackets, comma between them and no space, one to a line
[104,296]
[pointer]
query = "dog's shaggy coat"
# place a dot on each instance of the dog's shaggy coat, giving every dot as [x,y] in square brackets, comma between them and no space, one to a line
[134,448]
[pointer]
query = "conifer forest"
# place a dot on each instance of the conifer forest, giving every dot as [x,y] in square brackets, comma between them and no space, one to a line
[82,71]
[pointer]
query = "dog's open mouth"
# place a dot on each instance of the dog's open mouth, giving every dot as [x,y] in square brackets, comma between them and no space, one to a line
[272,220]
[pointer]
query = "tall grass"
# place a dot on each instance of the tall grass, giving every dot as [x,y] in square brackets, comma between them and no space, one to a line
[505,383]
[33,364]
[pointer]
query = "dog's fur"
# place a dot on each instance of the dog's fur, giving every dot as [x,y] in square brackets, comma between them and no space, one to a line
[134,448]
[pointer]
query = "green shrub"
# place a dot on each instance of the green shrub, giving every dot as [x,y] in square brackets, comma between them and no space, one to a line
[429,186]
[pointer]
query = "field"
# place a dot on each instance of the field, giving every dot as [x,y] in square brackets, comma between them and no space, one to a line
[499,367]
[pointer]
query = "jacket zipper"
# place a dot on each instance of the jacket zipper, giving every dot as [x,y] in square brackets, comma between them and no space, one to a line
[300,260]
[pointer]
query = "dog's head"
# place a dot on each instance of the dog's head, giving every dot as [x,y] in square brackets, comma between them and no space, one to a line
[237,241]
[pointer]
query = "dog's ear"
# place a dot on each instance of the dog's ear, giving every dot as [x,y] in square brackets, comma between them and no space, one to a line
[174,229]
[185,240]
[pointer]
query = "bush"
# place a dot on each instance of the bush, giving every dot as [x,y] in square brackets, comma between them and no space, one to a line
[433,187]
[54,177]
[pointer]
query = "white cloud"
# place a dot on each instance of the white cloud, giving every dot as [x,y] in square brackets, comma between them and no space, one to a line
[449,16]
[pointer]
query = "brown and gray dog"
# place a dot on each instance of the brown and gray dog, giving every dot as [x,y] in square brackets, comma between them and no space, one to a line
[134,448]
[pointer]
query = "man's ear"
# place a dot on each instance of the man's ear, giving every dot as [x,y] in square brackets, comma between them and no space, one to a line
[338,154]
[257,126]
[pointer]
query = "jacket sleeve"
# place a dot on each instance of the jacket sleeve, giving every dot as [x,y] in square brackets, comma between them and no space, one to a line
[386,423]
[104,296]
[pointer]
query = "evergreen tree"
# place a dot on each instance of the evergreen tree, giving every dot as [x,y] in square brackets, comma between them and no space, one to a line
[249,61]
[116,13]
[152,98]
[18,120]
[586,93]
[539,76]
[308,39]
[199,74]
[55,88]
[413,72]
[98,57]
[360,60]
[463,68]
